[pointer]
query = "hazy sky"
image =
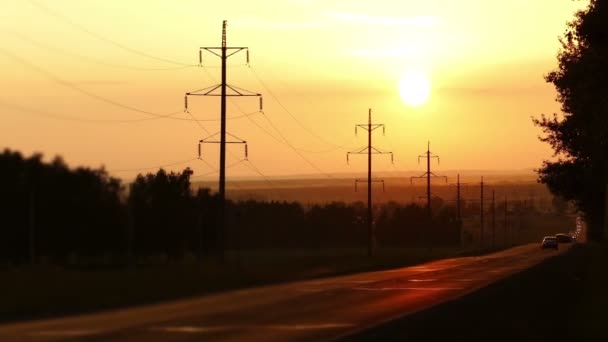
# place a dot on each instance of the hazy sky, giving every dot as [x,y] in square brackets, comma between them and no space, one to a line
[72,70]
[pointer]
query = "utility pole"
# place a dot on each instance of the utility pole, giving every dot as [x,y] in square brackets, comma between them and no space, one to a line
[481,212]
[428,174]
[458,212]
[224,53]
[32,224]
[458,209]
[131,259]
[369,150]
[606,212]
[493,218]
[504,234]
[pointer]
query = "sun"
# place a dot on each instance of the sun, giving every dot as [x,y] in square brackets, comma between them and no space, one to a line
[414,88]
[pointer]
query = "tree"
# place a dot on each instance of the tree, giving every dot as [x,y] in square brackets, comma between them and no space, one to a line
[163,211]
[579,136]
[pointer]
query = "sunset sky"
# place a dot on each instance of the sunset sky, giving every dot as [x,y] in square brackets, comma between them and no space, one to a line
[72,70]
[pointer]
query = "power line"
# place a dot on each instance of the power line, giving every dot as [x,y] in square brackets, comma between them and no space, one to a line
[249,164]
[91,59]
[284,142]
[88,93]
[63,117]
[255,74]
[215,170]
[257,170]
[199,124]
[153,167]
[67,20]
[295,149]
[284,139]
[280,141]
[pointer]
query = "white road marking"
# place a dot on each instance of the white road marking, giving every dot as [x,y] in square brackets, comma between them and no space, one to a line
[421,280]
[424,268]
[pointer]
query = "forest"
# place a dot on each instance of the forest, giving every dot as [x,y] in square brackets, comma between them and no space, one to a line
[54,214]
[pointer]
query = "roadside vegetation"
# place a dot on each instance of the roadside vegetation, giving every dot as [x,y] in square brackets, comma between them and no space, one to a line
[78,239]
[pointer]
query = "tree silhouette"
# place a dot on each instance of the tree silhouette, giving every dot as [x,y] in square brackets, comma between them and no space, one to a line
[579,137]
[162,208]
[48,210]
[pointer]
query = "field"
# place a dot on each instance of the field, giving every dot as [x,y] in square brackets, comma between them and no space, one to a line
[52,290]
[400,188]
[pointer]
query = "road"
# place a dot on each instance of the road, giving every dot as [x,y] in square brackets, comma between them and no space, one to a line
[313,310]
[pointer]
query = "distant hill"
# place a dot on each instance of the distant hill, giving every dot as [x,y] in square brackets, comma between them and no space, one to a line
[520,184]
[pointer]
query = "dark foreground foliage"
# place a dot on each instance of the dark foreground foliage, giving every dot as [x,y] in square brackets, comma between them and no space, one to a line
[579,137]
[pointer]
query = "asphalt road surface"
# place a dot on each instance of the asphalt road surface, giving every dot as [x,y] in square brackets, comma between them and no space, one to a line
[313,310]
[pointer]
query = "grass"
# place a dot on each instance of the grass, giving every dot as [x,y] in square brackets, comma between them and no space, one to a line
[30,293]
[562,299]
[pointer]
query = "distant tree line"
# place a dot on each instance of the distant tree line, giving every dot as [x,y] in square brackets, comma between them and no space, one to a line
[51,213]
[51,210]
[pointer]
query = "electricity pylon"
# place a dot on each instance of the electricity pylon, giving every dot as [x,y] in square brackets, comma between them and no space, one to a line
[224,53]
[459,206]
[481,212]
[459,199]
[369,150]
[428,174]
[493,218]
[504,234]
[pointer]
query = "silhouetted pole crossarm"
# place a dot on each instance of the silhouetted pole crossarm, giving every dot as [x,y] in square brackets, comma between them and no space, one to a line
[428,175]
[369,150]
[223,52]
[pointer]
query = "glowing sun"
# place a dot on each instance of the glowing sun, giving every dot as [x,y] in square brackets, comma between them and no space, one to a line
[414,88]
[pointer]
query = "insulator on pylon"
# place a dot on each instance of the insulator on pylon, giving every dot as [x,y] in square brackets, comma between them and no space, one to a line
[247,56]
[200,57]
[186,103]
[355,130]
[261,104]
[383,130]
[383,188]
[347,159]
[199,150]
[392,158]
[246,152]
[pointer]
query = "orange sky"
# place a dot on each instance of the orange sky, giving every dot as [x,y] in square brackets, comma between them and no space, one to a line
[326,62]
